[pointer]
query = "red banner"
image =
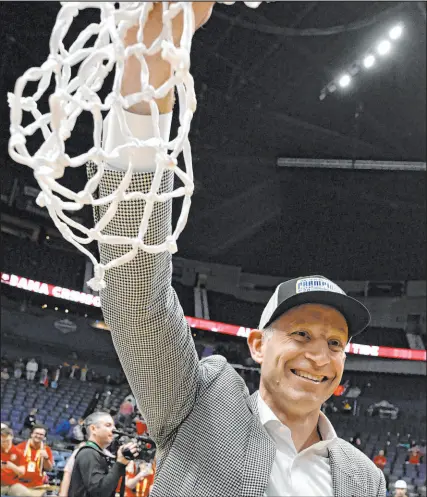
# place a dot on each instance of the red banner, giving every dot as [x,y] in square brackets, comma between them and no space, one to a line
[201,324]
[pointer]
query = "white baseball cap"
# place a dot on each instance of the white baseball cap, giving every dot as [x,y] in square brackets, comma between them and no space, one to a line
[400,484]
[315,290]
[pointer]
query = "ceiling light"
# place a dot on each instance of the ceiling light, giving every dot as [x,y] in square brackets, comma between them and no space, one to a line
[66,311]
[56,308]
[383,47]
[395,32]
[368,61]
[344,80]
[44,306]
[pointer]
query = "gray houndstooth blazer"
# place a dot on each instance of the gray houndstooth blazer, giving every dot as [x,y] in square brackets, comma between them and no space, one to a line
[206,426]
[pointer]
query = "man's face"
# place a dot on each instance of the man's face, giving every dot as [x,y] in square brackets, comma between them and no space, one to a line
[38,436]
[308,340]
[6,442]
[381,453]
[400,492]
[103,431]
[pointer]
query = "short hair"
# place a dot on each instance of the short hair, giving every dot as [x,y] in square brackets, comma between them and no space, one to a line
[94,419]
[6,431]
[38,426]
[267,333]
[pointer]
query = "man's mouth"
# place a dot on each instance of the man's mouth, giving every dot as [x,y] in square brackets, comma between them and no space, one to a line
[308,376]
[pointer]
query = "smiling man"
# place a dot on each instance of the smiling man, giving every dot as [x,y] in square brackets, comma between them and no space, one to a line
[212,437]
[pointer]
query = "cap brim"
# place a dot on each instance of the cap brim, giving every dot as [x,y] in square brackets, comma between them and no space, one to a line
[355,313]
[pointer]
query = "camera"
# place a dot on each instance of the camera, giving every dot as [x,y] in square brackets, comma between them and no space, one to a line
[146,448]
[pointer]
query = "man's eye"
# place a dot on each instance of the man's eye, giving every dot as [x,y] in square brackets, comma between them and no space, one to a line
[335,344]
[301,333]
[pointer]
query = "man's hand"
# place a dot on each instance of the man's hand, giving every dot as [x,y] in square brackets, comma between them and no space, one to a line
[44,454]
[121,458]
[160,70]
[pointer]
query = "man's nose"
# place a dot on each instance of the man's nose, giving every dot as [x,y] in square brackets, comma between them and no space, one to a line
[318,353]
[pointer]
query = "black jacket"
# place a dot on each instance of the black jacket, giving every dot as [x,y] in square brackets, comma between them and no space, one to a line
[93,475]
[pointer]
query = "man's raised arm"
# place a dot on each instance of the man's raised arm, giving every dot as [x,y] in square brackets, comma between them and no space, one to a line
[148,327]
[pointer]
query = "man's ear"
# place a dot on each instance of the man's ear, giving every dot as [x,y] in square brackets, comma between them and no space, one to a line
[256,345]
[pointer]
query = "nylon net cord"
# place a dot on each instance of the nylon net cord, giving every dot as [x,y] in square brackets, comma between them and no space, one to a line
[76,94]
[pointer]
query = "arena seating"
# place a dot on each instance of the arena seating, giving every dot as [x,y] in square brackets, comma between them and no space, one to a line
[18,396]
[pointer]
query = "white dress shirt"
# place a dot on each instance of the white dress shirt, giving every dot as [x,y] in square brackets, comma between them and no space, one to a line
[302,474]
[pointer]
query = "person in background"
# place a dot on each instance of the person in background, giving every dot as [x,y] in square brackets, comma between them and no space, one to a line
[414,454]
[30,421]
[43,376]
[76,432]
[357,442]
[12,466]
[83,373]
[380,460]
[107,400]
[64,426]
[4,374]
[68,469]
[18,368]
[126,412]
[400,489]
[38,457]
[93,474]
[73,373]
[32,368]
[139,479]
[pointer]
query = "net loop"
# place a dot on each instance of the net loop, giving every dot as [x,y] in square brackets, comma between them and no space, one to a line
[79,72]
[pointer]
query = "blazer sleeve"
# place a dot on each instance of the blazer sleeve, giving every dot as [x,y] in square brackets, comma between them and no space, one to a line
[148,327]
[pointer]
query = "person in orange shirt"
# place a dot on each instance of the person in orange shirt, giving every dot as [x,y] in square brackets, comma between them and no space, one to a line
[139,478]
[12,466]
[380,460]
[414,455]
[38,458]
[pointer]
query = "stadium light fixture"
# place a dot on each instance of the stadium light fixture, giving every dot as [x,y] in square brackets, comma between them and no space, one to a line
[368,61]
[383,47]
[395,32]
[344,80]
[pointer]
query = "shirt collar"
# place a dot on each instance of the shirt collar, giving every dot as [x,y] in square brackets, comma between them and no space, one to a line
[326,429]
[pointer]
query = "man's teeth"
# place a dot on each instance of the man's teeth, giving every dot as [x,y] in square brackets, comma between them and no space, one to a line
[309,376]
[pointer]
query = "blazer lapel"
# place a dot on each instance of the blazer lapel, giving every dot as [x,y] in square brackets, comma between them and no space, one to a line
[260,453]
[346,480]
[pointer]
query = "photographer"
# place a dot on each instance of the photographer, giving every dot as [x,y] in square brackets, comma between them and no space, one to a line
[95,473]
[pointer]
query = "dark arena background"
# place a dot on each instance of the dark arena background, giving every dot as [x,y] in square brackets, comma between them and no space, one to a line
[309,158]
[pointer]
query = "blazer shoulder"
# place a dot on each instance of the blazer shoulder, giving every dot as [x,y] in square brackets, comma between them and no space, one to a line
[358,457]
[215,369]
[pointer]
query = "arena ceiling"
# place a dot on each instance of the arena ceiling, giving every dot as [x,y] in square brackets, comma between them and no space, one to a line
[258,75]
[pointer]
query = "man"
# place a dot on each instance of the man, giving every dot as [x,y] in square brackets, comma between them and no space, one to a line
[400,488]
[94,474]
[211,436]
[32,368]
[380,460]
[29,422]
[38,457]
[75,434]
[12,466]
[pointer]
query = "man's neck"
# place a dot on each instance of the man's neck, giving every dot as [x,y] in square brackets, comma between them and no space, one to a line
[96,442]
[304,430]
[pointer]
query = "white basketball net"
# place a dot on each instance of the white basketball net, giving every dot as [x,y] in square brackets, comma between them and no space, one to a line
[73,95]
